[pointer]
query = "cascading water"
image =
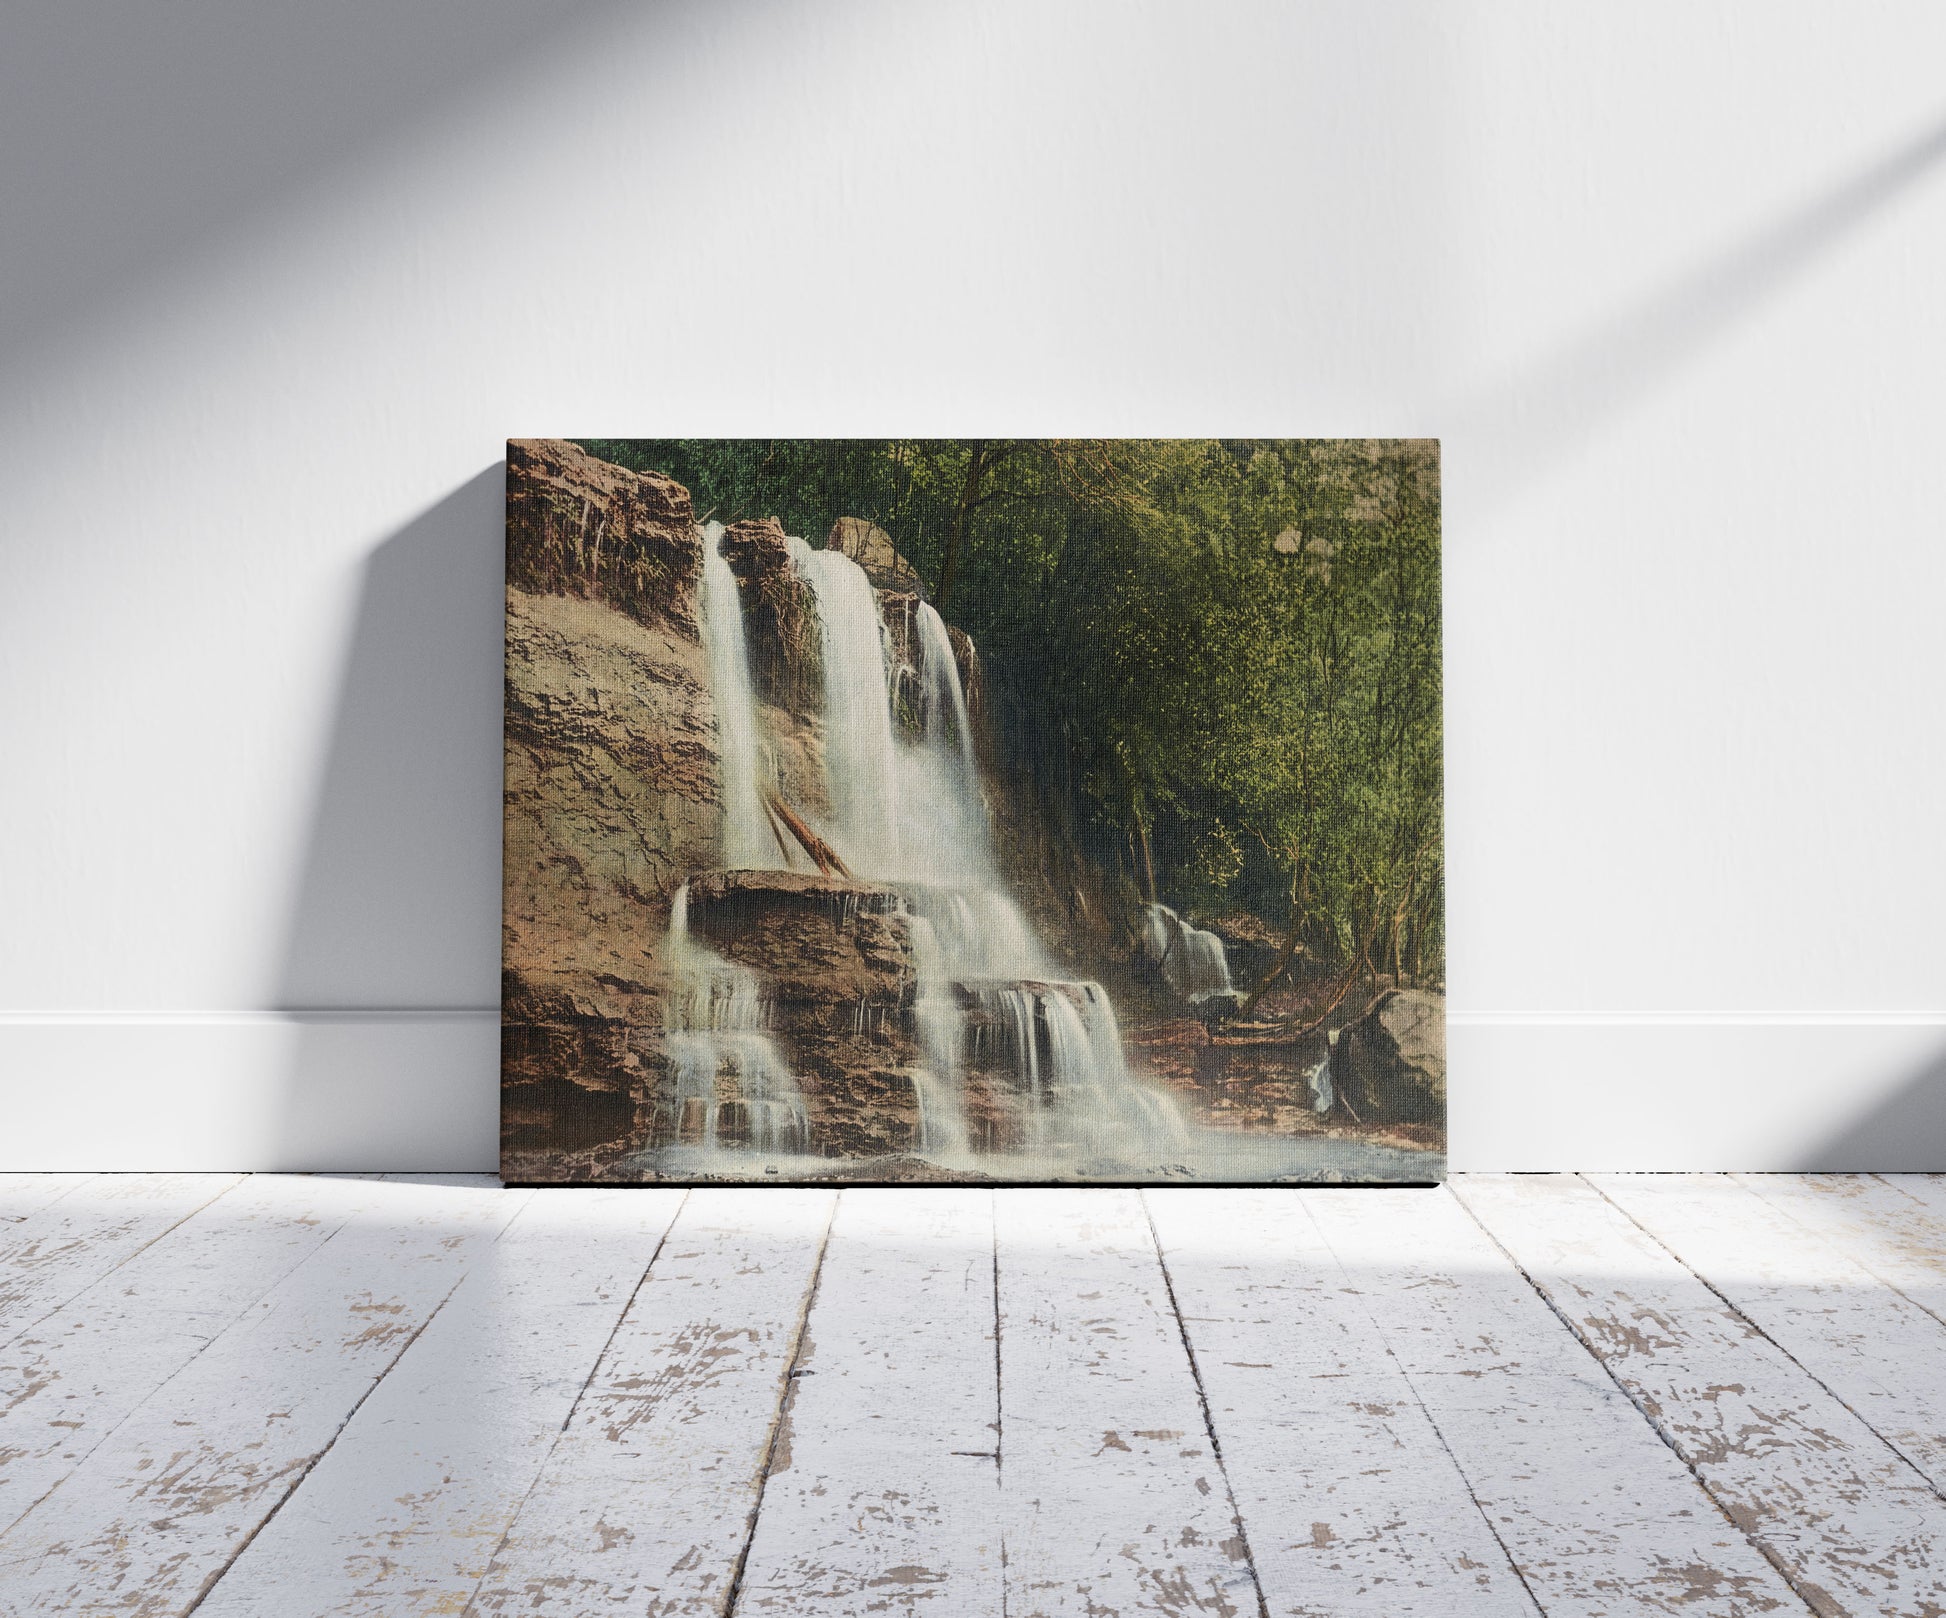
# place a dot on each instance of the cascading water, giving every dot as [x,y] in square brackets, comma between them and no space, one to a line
[861,765]
[903,807]
[1113,1115]
[748,840]
[942,1109]
[714,1033]
[945,696]
[911,812]
[1192,961]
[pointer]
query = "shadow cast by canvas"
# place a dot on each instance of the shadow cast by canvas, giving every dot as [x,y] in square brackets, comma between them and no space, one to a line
[1904,1134]
[391,959]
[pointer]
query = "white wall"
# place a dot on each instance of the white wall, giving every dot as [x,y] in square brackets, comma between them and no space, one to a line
[279,281]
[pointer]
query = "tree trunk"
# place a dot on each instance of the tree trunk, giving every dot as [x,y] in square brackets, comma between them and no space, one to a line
[968,495]
[1148,859]
[1284,960]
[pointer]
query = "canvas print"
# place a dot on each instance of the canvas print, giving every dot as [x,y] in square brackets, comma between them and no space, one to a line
[978,810]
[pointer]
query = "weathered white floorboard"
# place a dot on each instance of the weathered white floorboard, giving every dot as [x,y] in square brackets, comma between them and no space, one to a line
[404,1512]
[1350,1501]
[883,1494]
[66,1245]
[1599,1516]
[329,1395]
[645,1504]
[1878,1352]
[22,1194]
[1929,1189]
[1113,1500]
[155,1513]
[1856,1528]
[1890,1224]
[69,1380]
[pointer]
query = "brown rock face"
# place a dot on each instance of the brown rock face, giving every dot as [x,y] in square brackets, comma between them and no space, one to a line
[579,526]
[820,940]
[780,620]
[611,799]
[1391,1063]
[872,549]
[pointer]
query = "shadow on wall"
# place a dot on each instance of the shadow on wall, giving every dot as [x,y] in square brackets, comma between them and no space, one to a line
[119,165]
[1904,1134]
[391,962]
[1548,410]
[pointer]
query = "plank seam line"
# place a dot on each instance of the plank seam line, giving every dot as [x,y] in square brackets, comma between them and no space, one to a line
[1656,1427]
[786,1397]
[127,1258]
[1863,1262]
[540,1471]
[1438,1432]
[208,1343]
[1931,1214]
[217,1575]
[1202,1401]
[1738,1315]
[1918,1202]
[59,1196]
[999,1400]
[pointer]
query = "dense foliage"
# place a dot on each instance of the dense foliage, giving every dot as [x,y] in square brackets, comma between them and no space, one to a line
[1224,653]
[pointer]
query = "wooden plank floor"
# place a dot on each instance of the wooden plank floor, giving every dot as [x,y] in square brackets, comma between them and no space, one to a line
[1523,1395]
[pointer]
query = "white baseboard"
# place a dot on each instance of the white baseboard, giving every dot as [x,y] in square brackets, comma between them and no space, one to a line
[250,1090]
[1698,1092]
[419,1090]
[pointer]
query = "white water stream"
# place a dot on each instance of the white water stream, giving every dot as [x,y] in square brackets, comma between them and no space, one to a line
[907,811]
[748,841]
[1191,960]
[715,1030]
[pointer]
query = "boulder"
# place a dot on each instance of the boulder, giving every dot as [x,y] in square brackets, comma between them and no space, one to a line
[1390,1063]
[872,549]
[1215,1007]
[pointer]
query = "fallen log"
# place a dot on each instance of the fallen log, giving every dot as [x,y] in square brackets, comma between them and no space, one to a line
[823,855]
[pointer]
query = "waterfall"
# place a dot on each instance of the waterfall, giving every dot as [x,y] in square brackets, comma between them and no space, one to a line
[950,988]
[1192,961]
[945,697]
[713,1030]
[1066,1045]
[1318,1078]
[748,841]
[860,763]
[913,812]
[942,1107]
